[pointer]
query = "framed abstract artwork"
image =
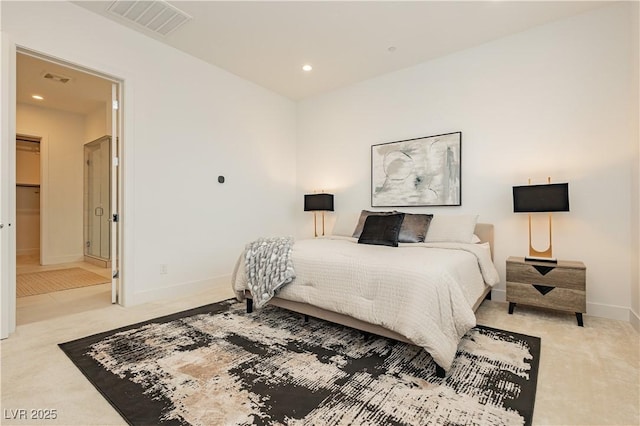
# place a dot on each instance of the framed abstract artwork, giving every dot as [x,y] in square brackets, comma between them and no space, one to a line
[417,172]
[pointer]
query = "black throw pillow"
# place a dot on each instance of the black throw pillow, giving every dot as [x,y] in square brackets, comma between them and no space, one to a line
[382,230]
[364,214]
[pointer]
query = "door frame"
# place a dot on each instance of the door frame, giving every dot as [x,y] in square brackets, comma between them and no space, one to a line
[89,193]
[44,182]
[7,185]
[8,105]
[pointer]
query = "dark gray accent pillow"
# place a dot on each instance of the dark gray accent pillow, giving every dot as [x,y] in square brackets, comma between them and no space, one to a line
[414,228]
[381,230]
[363,216]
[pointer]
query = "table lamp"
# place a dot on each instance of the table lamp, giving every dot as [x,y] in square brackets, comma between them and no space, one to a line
[318,203]
[546,198]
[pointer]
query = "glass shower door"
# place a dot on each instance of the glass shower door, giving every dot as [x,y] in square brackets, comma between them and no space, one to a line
[97,199]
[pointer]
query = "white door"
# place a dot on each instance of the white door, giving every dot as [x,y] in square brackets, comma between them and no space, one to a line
[7,187]
[97,199]
[116,191]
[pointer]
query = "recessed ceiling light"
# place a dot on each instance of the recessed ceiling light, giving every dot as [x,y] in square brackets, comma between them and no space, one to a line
[307,67]
[38,97]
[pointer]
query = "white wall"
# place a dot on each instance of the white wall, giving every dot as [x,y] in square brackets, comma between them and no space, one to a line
[97,124]
[62,151]
[551,101]
[185,123]
[634,17]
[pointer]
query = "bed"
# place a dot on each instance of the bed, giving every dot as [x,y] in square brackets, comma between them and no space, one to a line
[422,293]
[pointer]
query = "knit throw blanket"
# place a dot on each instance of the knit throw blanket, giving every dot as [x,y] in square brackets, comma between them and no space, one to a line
[268,267]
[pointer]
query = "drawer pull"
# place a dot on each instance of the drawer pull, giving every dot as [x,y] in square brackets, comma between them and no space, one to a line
[544,270]
[543,289]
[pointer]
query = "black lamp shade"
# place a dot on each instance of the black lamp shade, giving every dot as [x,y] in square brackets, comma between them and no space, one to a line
[553,197]
[318,202]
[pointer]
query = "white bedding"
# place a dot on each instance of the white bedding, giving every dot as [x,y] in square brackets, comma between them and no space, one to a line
[423,291]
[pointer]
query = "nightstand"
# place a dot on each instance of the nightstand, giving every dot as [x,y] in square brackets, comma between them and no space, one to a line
[560,286]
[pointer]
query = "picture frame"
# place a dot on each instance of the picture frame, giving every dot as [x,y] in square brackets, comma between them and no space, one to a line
[422,171]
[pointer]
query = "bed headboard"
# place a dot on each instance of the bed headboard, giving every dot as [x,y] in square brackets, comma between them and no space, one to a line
[484,231]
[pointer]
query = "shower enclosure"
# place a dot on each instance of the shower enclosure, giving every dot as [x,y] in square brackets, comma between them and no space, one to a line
[97,201]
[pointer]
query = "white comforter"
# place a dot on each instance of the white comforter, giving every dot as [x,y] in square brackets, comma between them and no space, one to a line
[423,291]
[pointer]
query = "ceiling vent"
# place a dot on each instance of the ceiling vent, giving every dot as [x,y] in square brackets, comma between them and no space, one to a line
[56,77]
[157,16]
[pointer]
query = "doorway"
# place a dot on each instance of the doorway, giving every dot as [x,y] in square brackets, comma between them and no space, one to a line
[69,108]
[28,198]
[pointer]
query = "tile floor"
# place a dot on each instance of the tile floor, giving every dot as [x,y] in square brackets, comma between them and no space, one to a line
[588,376]
[50,305]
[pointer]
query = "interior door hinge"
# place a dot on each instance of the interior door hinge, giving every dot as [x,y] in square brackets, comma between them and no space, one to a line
[116,161]
[116,104]
[116,274]
[116,217]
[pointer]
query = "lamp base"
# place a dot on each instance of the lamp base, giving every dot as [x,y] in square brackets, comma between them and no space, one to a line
[315,225]
[541,259]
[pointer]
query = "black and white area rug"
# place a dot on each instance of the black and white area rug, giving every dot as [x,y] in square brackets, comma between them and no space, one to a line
[217,365]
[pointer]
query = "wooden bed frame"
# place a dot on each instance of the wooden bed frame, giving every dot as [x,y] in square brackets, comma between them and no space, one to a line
[483,230]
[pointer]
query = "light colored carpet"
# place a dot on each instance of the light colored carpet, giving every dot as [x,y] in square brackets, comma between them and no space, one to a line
[59,279]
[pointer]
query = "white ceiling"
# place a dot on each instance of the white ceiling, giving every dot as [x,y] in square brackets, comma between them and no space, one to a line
[268,42]
[346,42]
[83,94]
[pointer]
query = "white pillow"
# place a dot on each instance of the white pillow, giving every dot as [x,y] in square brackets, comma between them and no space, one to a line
[451,228]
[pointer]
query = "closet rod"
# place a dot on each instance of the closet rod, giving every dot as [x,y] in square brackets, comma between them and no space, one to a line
[27,138]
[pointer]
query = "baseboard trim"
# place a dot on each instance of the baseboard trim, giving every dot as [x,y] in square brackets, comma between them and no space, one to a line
[30,251]
[499,295]
[98,262]
[179,290]
[634,319]
[608,311]
[54,260]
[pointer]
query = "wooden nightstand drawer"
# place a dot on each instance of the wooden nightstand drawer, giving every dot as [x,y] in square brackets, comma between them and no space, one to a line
[549,274]
[551,297]
[560,285]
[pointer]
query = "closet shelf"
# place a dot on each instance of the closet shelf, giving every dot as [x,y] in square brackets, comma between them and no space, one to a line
[29,185]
